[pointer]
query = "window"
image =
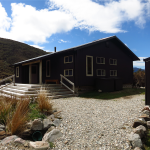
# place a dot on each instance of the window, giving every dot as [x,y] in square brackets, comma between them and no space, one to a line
[113,72]
[48,68]
[17,71]
[113,61]
[89,65]
[68,59]
[68,72]
[100,60]
[101,72]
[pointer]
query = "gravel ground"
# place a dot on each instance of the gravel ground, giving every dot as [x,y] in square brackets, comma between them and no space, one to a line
[97,124]
[90,124]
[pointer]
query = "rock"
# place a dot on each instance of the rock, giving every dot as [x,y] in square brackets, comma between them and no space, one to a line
[9,139]
[138,122]
[52,136]
[39,145]
[2,135]
[2,127]
[29,125]
[135,140]
[57,122]
[145,117]
[57,115]
[148,124]
[19,140]
[26,132]
[50,129]
[147,112]
[141,130]
[37,124]
[51,117]
[47,123]
[146,108]
[137,148]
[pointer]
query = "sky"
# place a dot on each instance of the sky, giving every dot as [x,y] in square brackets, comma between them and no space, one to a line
[63,24]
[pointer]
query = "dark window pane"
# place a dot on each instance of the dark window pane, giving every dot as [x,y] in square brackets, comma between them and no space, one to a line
[89,61]
[99,72]
[66,72]
[33,69]
[66,59]
[115,61]
[70,58]
[102,60]
[48,68]
[111,61]
[103,72]
[70,72]
[111,73]
[98,60]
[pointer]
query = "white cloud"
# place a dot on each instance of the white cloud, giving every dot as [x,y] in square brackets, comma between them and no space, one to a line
[139,64]
[104,18]
[62,41]
[37,46]
[27,24]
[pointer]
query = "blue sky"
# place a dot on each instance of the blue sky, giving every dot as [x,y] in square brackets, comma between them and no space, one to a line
[67,23]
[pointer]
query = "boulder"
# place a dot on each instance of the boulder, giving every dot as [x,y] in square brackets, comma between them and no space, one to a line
[145,117]
[146,108]
[50,129]
[51,117]
[57,122]
[137,148]
[147,112]
[47,123]
[29,125]
[37,124]
[19,140]
[39,145]
[135,140]
[141,130]
[9,139]
[148,124]
[138,122]
[2,127]
[52,136]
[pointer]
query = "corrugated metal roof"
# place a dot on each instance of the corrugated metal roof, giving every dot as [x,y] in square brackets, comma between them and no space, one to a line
[75,48]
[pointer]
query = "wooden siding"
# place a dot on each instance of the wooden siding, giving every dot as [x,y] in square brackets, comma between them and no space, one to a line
[147,83]
[124,65]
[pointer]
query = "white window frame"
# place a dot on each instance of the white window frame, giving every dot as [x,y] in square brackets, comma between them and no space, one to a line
[49,68]
[68,72]
[100,60]
[101,72]
[68,59]
[87,66]
[114,74]
[113,61]
[17,72]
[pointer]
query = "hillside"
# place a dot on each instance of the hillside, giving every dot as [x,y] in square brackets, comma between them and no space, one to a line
[136,69]
[12,52]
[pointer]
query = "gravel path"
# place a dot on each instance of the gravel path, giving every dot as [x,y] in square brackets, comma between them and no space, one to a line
[90,124]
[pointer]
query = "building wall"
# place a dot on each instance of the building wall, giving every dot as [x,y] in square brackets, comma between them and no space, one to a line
[124,65]
[18,79]
[147,83]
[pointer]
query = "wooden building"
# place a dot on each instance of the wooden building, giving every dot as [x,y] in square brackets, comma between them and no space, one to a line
[103,58]
[147,81]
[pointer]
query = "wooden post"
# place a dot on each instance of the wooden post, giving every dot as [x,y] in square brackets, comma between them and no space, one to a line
[14,80]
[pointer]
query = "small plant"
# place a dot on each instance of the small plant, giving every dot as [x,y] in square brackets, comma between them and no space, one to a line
[51,145]
[43,102]
[16,122]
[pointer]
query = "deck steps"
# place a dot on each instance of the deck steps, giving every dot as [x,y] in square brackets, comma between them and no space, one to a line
[23,90]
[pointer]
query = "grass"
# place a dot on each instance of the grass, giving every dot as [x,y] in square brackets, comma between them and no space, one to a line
[112,95]
[147,141]
[16,113]
[43,102]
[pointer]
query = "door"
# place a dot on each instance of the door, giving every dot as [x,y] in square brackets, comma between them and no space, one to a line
[34,72]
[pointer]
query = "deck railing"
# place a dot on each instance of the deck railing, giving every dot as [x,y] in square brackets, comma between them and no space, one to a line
[61,81]
[10,77]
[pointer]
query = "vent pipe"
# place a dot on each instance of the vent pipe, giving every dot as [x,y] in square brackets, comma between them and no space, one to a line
[55,49]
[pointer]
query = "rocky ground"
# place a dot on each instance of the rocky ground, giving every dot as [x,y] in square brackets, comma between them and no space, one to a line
[94,124]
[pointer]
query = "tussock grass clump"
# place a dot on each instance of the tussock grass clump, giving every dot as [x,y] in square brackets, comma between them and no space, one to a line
[43,102]
[16,123]
[5,109]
